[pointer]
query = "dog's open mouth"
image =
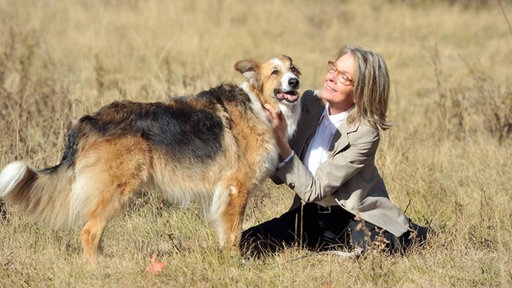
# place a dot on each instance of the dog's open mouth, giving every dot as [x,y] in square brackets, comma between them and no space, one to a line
[288,96]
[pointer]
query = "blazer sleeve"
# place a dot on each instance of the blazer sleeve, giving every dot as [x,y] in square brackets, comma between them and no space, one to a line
[335,171]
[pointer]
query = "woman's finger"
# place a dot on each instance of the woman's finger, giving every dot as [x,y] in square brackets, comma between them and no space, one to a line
[272,115]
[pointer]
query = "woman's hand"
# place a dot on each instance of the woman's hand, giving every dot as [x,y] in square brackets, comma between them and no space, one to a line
[277,120]
[279,125]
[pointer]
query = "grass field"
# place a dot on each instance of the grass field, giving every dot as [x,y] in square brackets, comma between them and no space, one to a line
[446,161]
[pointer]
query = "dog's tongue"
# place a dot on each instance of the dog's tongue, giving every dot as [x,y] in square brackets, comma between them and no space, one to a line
[289,97]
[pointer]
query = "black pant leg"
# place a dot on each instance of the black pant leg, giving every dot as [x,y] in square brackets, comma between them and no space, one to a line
[417,235]
[305,226]
[325,231]
[365,235]
[273,235]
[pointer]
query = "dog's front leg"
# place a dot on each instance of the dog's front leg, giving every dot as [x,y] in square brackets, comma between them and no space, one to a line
[228,210]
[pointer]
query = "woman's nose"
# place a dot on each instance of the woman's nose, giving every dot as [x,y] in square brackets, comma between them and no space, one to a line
[331,77]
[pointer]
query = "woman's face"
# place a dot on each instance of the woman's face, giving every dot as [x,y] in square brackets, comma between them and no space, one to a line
[338,88]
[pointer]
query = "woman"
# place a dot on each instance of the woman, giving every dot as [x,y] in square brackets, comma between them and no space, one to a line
[341,202]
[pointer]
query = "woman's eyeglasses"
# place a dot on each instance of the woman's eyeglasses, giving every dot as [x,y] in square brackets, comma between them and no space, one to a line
[340,76]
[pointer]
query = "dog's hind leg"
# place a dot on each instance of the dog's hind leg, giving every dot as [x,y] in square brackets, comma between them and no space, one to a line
[110,204]
[91,236]
[106,186]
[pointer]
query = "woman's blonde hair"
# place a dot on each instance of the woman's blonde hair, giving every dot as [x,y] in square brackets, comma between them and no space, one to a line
[371,87]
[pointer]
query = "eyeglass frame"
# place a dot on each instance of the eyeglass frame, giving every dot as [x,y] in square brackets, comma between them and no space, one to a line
[340,76]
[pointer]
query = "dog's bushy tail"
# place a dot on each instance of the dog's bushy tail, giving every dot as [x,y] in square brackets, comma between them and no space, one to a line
[44,195]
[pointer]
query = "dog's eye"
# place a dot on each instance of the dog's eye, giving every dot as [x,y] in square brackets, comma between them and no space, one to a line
[275,72]
[295,70]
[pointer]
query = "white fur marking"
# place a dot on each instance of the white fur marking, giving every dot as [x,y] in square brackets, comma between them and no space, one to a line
[291,113]
[285,80]
[219,202]
[255,103]
[10,176]
[278,62]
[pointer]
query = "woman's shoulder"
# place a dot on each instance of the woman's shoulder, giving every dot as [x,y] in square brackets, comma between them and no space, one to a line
[310,101]
[362,132]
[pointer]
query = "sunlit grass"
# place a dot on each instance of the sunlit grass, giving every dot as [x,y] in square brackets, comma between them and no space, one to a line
[446,161]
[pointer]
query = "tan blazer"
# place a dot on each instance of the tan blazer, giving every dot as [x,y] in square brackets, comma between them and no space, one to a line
[348,177]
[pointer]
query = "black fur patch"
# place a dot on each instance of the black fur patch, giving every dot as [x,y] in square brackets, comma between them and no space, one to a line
[182,130]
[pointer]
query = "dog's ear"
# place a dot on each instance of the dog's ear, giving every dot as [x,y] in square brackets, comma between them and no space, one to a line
[249,68]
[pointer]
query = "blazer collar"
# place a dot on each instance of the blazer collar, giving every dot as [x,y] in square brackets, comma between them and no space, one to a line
[340,140]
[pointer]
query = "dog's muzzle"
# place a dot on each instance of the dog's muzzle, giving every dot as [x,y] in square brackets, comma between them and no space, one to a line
[291,95]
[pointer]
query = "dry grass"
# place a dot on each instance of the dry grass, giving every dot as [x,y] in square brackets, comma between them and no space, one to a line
[447,160]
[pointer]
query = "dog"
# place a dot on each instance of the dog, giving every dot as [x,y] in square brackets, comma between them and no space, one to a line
[216,144]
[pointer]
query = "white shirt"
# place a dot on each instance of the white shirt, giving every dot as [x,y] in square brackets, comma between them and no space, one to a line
[318,148]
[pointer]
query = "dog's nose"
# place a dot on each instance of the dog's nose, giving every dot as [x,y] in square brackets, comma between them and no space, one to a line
[294,83]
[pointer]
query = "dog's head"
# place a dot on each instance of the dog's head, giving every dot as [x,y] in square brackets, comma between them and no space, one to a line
[275,82]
